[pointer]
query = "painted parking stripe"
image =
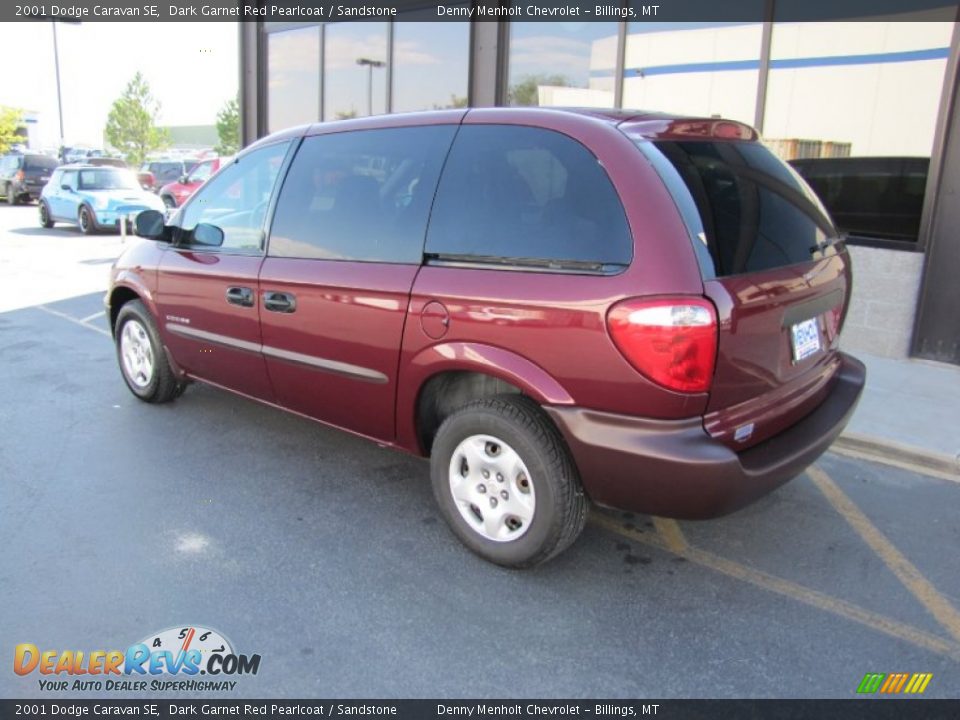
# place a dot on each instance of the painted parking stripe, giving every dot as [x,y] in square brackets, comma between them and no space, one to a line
[72,319]
[771,583]
[906,572]
[96,315]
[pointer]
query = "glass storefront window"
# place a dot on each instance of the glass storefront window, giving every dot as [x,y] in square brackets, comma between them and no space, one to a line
[431,63]
[560,63]
[698,69]
[293,77]
[354,69]
[854,107]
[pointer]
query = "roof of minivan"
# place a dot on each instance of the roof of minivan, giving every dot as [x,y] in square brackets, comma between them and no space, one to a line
[638,123]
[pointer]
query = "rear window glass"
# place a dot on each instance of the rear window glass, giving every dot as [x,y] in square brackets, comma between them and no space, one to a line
[40,163]
[755,212]
[519,195]
[874,197]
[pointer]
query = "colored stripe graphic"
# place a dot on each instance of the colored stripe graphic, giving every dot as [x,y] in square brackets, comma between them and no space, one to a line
[894,683]
[789,63]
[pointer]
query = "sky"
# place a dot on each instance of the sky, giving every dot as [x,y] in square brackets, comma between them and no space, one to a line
[192,68]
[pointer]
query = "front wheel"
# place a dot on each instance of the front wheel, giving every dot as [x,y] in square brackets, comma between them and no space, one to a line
[45,220]
[85,220]
[505,482]
[141,356]
[11,195]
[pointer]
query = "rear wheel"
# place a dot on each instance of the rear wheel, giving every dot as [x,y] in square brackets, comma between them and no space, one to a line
[142,359]
[45,220]
[85,220]
[505,482]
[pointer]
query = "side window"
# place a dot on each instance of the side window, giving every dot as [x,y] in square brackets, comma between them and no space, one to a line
[361,195]
[522,195]
[236,200]
[201,172]
[70,179]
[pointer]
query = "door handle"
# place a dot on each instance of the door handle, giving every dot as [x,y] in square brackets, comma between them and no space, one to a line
[241,296]
[279,302]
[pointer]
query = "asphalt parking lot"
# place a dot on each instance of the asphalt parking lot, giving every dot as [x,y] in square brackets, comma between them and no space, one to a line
[324,553]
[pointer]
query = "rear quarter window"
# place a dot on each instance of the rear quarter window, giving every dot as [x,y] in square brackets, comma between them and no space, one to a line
[528,196]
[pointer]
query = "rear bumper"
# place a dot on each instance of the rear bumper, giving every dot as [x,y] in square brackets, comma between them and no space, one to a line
[675,469]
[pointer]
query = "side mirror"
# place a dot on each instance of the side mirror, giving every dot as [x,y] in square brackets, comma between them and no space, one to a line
[64,186]
[207,235]
[149,224]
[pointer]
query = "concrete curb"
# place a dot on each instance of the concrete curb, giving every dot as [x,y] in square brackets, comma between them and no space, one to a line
[888,452]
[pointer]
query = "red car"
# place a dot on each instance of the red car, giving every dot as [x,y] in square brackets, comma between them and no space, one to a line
[553,306]
[176,193]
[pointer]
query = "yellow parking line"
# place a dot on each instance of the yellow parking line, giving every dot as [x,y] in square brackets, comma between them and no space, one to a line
[906,572]
[669,534]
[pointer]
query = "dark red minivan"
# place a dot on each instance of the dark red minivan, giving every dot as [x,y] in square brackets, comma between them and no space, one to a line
[552,305]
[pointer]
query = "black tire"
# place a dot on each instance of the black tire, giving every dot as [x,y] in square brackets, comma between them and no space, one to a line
[560,511]
[45,220]
[88,225]
[163,385]
[11,195]
[169,202]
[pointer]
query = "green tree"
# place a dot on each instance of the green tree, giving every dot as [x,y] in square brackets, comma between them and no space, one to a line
[11,120]
[456,101]
[525,92]
[228,127]
[131,124]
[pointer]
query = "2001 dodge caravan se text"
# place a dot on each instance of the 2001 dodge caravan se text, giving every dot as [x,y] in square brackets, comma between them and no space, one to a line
[551,305]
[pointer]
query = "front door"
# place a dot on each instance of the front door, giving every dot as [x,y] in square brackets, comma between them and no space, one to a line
[207,285]
[345,246]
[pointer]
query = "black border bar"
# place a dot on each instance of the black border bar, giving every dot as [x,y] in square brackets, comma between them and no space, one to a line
[876,709]
[642,11]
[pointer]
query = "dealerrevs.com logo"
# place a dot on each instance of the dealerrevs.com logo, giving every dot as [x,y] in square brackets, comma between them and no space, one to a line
[172,659]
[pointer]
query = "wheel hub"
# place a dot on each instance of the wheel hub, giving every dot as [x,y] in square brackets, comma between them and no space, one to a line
[491,488]
[137,353]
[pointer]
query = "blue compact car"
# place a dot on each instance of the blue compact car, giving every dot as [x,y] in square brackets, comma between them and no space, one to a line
[95,198]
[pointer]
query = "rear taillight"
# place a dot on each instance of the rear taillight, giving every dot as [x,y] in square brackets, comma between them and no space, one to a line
[19,176]
[672,341]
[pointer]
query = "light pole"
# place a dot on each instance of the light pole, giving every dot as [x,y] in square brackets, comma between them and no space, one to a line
[56,67]
[371,64]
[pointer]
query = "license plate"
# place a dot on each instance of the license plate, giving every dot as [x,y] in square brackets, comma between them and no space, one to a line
[805,339]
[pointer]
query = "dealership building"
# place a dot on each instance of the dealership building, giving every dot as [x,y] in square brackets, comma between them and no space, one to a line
[865,108]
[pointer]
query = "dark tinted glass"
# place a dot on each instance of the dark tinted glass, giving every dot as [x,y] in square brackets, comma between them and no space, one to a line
[530,195]
[757,213]
[361,195]
[39,162]
[876,197]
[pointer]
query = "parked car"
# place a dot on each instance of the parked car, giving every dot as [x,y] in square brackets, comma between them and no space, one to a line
[92,197]
[105,161]
[154,174]
[873,197]
[22,177]
[550,305]
[175,193]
